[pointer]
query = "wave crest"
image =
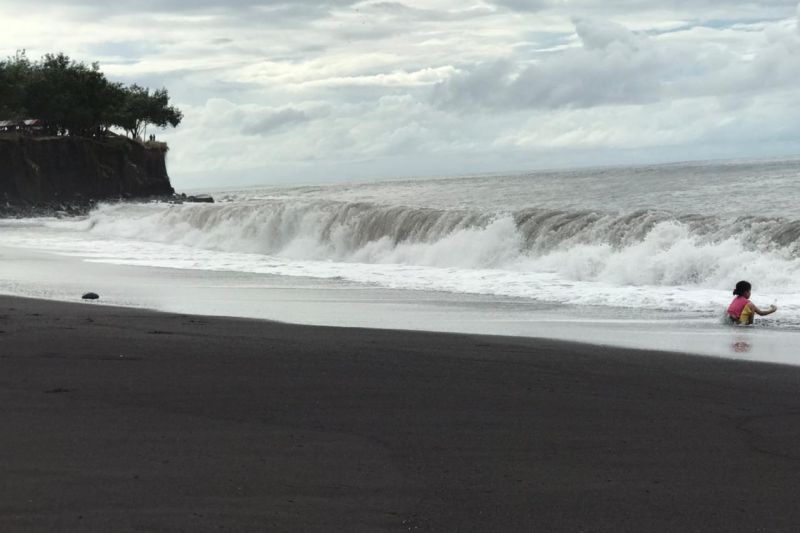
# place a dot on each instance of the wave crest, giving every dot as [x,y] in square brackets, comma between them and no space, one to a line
[644,247]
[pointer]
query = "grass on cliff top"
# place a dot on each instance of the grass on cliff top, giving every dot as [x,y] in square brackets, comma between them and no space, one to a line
[150,145]
[156,145]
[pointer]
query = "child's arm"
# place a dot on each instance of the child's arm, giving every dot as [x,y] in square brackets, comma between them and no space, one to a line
[763,312]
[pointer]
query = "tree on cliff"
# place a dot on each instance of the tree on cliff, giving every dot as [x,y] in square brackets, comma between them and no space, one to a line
[70,96]
[140,108]
[77,99]
[14,73]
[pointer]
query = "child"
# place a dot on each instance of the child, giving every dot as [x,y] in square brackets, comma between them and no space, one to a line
[741,310]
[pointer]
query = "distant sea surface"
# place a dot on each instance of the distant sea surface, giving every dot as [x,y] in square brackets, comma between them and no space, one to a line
[664,242]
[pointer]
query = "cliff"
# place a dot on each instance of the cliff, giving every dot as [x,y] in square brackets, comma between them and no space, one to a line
[54,172]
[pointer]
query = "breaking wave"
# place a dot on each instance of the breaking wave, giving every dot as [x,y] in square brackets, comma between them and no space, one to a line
[640,248]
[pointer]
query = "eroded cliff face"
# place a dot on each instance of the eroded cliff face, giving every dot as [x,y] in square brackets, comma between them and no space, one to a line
[55,171]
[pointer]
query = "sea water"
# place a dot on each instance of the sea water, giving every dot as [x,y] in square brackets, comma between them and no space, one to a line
[639,256]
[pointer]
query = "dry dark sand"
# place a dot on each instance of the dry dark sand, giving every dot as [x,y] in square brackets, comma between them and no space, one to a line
[119,420]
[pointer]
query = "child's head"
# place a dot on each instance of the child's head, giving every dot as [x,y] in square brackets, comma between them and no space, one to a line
[743,289]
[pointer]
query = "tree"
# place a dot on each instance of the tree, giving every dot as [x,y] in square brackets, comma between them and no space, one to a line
[70,96]
[77,99]
[141,108]
[15,72]
[160,113]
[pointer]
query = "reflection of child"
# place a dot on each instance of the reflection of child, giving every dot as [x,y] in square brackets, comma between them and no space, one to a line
[742,310]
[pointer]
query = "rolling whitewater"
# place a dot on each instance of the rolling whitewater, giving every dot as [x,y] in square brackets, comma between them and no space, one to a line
[661,245]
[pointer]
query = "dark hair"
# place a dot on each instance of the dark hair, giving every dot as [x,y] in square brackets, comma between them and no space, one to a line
[741,288]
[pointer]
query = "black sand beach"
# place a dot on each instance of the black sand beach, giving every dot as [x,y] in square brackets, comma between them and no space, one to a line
[125,420]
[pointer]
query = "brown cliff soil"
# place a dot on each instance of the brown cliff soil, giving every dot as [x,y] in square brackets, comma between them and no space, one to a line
[59,172]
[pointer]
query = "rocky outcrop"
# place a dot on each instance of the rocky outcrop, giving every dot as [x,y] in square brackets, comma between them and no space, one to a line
[64,172]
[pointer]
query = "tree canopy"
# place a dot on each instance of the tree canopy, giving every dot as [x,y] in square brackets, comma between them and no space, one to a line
[74,98]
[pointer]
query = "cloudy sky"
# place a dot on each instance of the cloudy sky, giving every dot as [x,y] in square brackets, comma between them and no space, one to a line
[312,91]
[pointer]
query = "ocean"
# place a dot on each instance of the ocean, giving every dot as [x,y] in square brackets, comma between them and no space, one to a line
[636,256]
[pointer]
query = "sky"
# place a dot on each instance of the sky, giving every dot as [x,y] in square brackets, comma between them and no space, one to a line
[320,91]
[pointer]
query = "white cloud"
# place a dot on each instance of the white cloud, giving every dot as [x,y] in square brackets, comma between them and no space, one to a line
[603,34]
[797,17]
[366,88]
[612,65]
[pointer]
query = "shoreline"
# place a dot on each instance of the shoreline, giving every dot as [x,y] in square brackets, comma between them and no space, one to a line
[126,419]
[311,301]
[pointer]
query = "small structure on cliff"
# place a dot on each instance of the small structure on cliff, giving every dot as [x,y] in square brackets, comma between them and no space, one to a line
[29,126]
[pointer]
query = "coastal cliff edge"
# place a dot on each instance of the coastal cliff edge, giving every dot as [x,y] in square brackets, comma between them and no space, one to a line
[68,172]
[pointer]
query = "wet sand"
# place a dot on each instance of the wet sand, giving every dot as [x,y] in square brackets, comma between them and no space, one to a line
[125,420]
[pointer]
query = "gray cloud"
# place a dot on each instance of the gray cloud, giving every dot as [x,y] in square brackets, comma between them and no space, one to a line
[613,66]
[401,11]
[249,11]
[602,34]
[270,121]
[441,85]
[524,5]
[195,5]
[622,6]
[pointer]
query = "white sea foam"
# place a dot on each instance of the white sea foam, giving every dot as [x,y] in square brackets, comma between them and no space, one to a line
[663,238]
[644,259]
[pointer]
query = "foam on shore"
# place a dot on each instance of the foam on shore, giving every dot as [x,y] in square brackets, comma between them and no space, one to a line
[335,303]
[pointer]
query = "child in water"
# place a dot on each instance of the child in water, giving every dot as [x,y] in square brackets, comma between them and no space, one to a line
[742,310]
